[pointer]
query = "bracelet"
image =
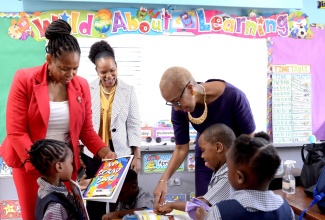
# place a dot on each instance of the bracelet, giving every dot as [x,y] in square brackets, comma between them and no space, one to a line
[162,181]
[139,158]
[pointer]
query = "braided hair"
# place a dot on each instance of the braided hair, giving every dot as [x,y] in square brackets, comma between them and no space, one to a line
[258,153]
[45,152]
[101,49]
[60,39]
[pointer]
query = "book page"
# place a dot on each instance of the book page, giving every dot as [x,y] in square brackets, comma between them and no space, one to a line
[150,215]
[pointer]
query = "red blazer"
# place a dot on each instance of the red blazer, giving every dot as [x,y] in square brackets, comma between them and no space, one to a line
[28,111]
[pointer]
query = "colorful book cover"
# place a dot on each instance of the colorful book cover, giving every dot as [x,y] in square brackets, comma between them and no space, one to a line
[109,179]
[82,211]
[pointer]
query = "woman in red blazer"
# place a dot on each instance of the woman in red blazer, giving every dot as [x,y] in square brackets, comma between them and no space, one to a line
[48,101]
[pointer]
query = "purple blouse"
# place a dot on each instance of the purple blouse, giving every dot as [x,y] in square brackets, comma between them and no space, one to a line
[231,108]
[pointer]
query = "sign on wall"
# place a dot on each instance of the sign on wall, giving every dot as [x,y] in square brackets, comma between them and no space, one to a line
[158,162]
[291,103]
[109,22]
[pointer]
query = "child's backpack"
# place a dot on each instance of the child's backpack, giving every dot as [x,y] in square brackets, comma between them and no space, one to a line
[319,194]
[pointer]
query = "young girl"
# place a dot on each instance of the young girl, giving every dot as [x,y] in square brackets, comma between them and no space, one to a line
[252,164]
[53,159]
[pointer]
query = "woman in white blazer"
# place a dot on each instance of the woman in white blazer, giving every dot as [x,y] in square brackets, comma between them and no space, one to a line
[114,108]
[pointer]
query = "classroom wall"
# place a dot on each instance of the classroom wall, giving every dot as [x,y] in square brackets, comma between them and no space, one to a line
[308,6]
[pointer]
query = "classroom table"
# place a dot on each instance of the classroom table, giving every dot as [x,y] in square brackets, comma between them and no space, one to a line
[299,201]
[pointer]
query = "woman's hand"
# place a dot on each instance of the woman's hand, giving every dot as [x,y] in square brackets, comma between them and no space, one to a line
[106,153]
[159,195]
[136,164]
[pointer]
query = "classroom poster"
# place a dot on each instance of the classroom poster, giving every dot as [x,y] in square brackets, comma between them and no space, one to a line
[291,103]
[5,170]
[191,162]
[175,197]
[149,21]
[311,53]
[158,162]
[10,209]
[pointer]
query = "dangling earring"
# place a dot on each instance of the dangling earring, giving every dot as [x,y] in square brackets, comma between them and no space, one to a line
[194,93]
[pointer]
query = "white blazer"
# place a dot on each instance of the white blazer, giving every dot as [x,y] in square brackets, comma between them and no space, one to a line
[125,118]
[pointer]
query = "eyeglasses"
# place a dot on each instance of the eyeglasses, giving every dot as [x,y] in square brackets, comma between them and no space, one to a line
[178,102]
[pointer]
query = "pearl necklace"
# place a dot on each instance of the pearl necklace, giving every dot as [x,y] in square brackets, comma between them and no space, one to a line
[202,118]
[108,93]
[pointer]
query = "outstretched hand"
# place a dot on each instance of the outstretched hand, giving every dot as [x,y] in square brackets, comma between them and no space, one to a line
[159,195]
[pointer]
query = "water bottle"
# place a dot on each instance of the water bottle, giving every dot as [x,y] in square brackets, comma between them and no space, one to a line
[288,180]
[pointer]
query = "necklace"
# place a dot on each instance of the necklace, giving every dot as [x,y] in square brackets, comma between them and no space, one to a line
[204,115]
[108,93]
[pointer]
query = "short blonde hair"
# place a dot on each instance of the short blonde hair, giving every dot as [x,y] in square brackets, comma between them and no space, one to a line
[175,76]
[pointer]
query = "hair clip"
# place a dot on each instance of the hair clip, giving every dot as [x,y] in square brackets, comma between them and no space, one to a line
[79,99]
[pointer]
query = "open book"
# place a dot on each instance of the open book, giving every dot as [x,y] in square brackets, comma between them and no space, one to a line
[109,179]
[150,215]
[81,208]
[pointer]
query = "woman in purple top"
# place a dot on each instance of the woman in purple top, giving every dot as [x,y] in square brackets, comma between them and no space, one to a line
[201,104]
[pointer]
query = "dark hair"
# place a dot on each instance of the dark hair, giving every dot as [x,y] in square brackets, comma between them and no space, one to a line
[219,133]
[258,153]
[45,152]
[131,177]
[60,39]
[100,49]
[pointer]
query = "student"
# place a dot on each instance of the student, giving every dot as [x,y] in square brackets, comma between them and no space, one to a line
[252,164]
[214,143]
[54,160]
[131,198]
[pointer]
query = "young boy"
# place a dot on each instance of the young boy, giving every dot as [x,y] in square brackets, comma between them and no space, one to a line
[214,143]
[252,164]
[131,198]
[53,159]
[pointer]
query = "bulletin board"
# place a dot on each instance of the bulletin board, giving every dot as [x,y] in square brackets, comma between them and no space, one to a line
[239,61]
[304,110]
[14,54]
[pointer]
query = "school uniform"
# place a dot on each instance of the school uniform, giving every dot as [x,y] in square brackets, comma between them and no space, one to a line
[219,187]
[54,209]
[143,200]
[251,204]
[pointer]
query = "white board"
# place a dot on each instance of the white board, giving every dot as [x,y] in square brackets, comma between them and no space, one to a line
[142,59]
